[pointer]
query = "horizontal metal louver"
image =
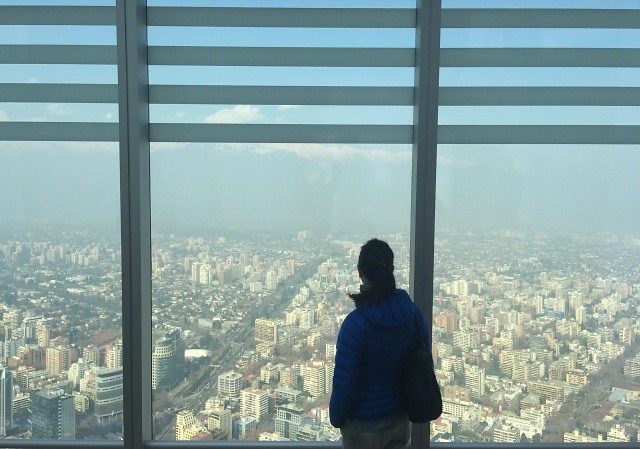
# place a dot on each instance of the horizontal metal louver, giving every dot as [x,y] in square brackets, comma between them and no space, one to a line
[625,58]
[283,17]
[294,56]
[262,133]
[57,15]
[220,56]
[59,131]
[39,92]
[554,58]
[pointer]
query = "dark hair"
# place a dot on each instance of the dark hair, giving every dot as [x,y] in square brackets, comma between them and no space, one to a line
[376,264]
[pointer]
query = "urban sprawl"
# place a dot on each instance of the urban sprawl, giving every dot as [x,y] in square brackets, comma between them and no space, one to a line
[535,337]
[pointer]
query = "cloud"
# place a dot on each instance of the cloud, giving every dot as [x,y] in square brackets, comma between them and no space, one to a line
[454,162]
[57,109]
[108,116]
[90,147]
[336,152]
[284,107]
[168,146]
[324,152]
[4,117]
[33,80]
[241,113]
[76,147]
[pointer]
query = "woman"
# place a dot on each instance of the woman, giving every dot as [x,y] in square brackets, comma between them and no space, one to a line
[373,343]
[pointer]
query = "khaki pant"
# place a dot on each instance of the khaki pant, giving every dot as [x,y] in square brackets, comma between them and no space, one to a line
[396,436]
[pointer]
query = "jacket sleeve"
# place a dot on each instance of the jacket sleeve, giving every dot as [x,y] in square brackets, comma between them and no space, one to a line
[345,377]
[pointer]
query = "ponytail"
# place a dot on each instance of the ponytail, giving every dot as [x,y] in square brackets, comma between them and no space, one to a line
[376,265]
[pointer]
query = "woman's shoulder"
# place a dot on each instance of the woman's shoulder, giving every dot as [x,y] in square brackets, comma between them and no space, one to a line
[352,329]
[355,318]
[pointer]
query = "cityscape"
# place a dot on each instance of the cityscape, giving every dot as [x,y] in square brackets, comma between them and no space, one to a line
[536,337]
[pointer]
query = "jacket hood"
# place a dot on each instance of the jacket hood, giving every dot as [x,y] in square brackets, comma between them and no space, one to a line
[396,309]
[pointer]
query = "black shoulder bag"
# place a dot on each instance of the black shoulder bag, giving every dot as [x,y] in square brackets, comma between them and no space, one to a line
[421,392]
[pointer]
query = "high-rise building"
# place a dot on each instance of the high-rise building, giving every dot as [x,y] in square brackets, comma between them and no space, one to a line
[59,359]
[113,355]
[195,272]
[269,373]
[13,318]
[523,372]
[186,426]
[91,354]
[556,371]
[220,419]
[53,415]
[474,379]
[627,335]
[266,330]
[271,280]
[307,318]
[632,368]
[43,334]
[288,421]
[254,403]
[463,340]
[329,368]
[581,314]
[81,402]
[168,361]
[108,394]
[290,377]
[6,400]
[10,348]
[314,378]
[21,404]
[230,385]
[204,276]
[330,351]
[78,370]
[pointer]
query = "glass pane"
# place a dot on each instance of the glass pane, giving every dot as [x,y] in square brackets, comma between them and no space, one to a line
[60,290]
[248,236]
[536,260]
[255,245]
[60,259]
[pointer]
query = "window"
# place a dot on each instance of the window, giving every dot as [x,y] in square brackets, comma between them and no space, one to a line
[535,248]
[259,144]
[279,146]
[60,294]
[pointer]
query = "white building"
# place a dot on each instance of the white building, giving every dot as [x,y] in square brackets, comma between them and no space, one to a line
[254,403]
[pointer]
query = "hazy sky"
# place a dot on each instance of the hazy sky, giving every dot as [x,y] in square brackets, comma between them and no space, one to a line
[565,188]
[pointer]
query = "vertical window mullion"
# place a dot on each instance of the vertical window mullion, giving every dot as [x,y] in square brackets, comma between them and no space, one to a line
[425,123]
[136,219]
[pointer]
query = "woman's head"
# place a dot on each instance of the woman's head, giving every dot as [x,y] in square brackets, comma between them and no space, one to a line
[375,266]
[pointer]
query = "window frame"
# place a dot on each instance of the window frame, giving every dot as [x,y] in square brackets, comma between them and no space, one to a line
[134,142]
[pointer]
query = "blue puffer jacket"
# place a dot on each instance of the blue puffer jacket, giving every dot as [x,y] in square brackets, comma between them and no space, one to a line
[372,346]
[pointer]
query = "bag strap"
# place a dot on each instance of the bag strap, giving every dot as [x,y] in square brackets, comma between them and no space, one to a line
[418,339]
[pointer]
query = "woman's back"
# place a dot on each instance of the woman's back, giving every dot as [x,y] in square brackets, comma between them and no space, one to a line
[371,350]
